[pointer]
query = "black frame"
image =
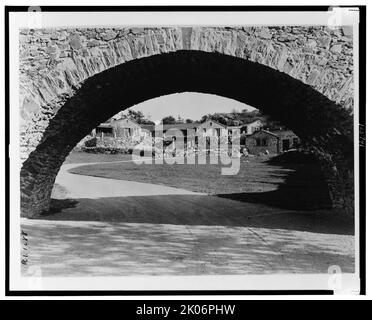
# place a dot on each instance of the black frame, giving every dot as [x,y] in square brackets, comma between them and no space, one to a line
[362,150]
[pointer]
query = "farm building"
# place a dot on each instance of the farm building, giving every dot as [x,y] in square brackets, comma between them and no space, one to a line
[103,130]
[273,142]
[208,128]
[211,128]
[254,137]
[121,128]
[125,128]
[252,127]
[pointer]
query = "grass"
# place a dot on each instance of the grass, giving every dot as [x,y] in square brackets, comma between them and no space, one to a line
[253,176]
[294,184]
[83,157]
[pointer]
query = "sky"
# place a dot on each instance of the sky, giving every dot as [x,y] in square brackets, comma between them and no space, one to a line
[189,105]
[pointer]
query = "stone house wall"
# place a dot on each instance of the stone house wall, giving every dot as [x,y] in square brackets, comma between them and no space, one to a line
[272,143]
[121,126]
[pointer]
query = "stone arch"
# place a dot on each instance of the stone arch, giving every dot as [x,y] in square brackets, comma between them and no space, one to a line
[325,126]
[55,62]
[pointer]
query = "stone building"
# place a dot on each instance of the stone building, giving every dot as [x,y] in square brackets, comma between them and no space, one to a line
[252,127]
[120,128]
[273,142]
[128,131]
[126,128]
[208,128]
[189,132]
[287,140]
[211,128]
[103,130]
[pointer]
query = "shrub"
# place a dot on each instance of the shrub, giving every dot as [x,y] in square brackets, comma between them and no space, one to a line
[91,143]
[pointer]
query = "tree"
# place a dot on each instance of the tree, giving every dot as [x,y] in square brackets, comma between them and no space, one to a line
[189,121]
[168,120]
[220,119]
[135,115]
[146,121]
[205,117]
[235,118]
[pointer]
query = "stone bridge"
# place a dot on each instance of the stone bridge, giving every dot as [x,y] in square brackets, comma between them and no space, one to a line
[71,79]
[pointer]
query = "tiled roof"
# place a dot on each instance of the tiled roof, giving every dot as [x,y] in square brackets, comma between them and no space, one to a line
[282,133]
[265,131]
[180,126]
[253,121]
[105,125]
[276,133]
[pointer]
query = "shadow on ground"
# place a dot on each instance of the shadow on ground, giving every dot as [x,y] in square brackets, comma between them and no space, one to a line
[287,230]
[58,205]
[62,248]
[304,186]
[196,210]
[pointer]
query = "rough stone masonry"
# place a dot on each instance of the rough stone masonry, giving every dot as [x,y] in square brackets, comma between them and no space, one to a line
[56,63]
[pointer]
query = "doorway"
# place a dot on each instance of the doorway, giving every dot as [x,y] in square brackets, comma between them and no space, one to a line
[286,144]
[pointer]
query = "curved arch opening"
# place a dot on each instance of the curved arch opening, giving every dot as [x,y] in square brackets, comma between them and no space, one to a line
[321,124]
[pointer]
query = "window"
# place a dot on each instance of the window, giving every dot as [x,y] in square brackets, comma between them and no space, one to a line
[295,142]
[104,131]
[261,142]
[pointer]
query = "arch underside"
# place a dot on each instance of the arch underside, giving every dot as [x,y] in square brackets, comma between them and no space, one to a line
[322,124]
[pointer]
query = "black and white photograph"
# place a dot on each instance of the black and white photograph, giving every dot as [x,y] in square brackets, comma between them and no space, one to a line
[184,150]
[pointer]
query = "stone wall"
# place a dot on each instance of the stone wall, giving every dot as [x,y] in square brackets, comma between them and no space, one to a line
[55,62]
[73,79]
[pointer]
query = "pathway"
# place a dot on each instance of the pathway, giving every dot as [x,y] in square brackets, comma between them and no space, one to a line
[115,227]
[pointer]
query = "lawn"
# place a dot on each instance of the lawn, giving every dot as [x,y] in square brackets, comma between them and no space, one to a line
[253,176]
[296,183]
[84,157]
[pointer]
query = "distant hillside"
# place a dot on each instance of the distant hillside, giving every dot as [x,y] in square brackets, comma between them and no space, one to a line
[234,118]
[241,118]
